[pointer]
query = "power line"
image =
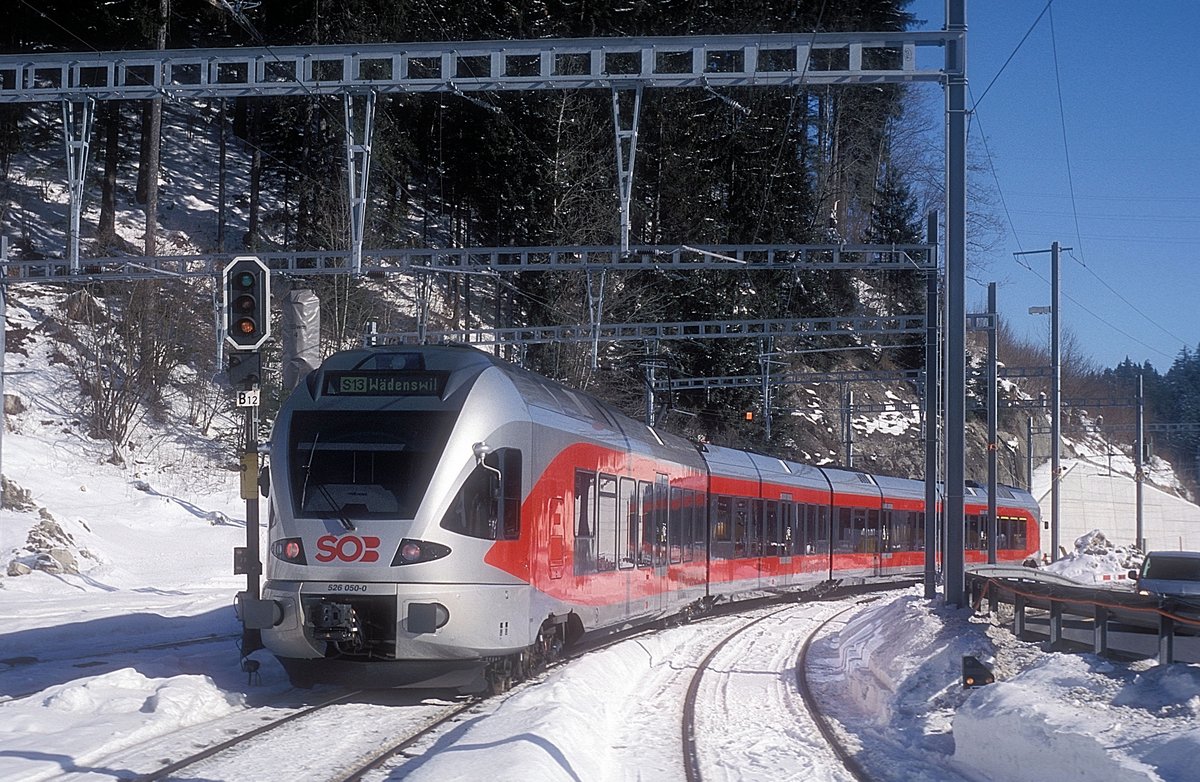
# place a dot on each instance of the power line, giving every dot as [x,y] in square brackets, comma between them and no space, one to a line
[1131,305]
[43,14]
[1010,56]
[995,177]
[1074,205]
[1062,117]
[1083,307]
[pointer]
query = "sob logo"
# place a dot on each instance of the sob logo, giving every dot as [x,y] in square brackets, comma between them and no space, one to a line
[348,548]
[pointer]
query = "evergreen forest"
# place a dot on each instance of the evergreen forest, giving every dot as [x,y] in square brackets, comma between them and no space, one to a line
[808,164]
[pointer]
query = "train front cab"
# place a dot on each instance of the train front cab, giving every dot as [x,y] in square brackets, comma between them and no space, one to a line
[384,505]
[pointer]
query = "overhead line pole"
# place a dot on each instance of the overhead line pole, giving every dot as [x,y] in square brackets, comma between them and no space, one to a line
[1055,392]
[931,412]
[1056,404]
[956,323]
[1139,474]
[993,421]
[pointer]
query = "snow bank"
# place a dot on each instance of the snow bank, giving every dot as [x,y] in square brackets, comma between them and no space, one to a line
[1096,560]
[71,726]
[1012,732]
[891,678]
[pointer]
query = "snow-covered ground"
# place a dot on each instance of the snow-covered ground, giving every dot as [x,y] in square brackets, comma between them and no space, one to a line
[127,557]
[1097,491]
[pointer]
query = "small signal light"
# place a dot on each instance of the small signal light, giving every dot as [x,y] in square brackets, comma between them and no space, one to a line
[247,303]
[749,415]
[975,673]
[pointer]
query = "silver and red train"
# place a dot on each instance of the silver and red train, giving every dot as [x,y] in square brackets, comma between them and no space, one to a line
[437,514]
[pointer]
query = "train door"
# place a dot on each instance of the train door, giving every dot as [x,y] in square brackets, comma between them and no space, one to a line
[662,547]
[650,573]
[757,543]
[876,534]
[628,541]
[556,548]
[787,539]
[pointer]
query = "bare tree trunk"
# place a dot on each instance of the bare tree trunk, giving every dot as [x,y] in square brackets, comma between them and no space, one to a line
[143,155]
[106,231]
[221,169]
[251,242]
[155,133]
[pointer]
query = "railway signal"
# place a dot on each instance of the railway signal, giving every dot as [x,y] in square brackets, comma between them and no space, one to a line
[247,303]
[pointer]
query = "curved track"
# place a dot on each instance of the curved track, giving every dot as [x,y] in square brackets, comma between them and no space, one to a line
[741,699]
[849,760]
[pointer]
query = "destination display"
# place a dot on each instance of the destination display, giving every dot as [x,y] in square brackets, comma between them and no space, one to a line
[385,383]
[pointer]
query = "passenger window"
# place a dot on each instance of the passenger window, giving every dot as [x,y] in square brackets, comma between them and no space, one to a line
[627,535]
[721,529]
[585,521]
[606,523]
[646,554]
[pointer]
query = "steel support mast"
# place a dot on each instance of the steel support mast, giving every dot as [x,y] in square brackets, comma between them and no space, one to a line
[956,323]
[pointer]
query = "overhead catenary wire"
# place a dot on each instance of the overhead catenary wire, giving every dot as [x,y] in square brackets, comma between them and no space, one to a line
[1048,13]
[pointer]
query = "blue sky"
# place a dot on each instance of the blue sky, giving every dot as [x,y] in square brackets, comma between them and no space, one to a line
[1128,203]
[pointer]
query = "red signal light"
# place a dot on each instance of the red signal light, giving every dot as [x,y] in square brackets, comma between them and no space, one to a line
[247,303]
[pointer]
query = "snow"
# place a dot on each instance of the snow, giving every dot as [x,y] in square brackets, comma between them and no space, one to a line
[83,692]
[1097,561]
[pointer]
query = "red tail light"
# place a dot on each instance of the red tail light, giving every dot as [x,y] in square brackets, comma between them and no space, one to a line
[289,550]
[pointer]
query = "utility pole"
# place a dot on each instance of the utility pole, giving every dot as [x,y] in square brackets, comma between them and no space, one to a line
[1029,454]
[1139,469]
[932,407]
[848,424]
[1055,391]
[956,315]
[993,421]
[1056,404]
[155,134]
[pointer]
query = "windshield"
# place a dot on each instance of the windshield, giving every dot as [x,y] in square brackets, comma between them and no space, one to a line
[364,465]
[1168,568]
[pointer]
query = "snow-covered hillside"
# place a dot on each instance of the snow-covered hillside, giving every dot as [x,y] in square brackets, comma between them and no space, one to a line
[124,557]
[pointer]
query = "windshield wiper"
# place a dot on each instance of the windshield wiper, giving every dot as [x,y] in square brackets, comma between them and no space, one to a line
[342,517]
[336,508]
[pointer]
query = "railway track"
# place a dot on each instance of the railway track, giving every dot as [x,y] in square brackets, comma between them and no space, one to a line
[740,682]
[350,734]
[339,738]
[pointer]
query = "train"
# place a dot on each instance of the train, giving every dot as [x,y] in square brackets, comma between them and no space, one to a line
[440,517]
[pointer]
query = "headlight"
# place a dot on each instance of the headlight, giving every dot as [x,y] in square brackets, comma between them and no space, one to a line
[413,551]
[289,550]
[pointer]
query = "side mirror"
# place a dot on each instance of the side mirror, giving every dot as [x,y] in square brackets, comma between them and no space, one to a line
[264,480]
[1133,574]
